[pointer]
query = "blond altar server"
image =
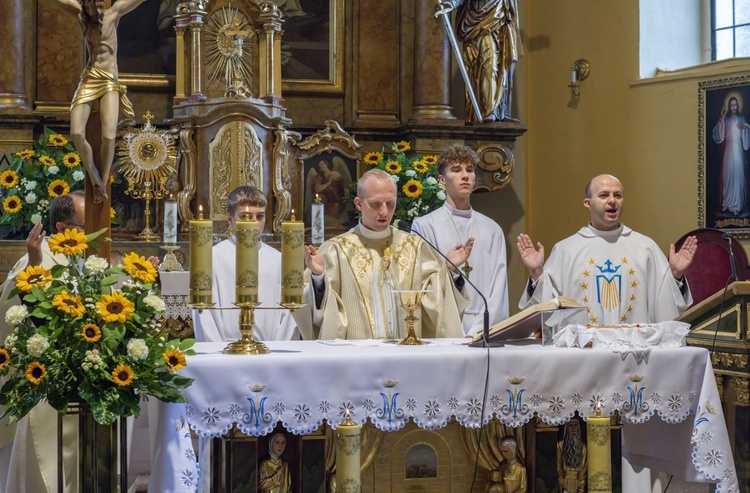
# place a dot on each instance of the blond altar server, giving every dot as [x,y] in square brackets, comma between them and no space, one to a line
[28,450]
[245,203]
[620,276]
[457,223]
[354,274]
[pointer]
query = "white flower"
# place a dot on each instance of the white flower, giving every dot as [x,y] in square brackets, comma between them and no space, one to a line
[10,342]
[410,172]
[431,180]
[16,314]
[394,178]
[440,195]
[137,349]
[44,202]
[36,218]
[78,175]
[53,170]
[30,185]
[95,264]
[30,198]
[155,302]
[36,345]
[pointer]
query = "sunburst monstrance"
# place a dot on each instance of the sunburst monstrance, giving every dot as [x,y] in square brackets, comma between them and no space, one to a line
[229,52]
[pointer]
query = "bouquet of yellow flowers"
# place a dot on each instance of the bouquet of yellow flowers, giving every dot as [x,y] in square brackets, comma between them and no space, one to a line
[89,332]
[36,176]
[418,191]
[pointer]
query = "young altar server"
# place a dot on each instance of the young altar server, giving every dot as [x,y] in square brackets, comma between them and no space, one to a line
[620,276]
[457,223]
[245,203]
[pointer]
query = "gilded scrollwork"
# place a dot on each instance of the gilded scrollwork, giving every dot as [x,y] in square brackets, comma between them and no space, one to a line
[236,159]
[729,359]
[333,133]
[741,388]
[282,183]
[720,386]
[189,174]
[496,164]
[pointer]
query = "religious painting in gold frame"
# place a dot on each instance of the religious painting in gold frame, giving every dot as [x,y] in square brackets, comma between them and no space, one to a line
[723,154]
[146,45]
[312,47]
[329,176]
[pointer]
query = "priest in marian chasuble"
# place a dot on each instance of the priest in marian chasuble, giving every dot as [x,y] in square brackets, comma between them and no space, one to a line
[353,275]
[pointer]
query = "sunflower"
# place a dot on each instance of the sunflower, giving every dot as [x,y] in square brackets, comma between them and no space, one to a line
[9,178]
[392,167]
[47,161]
[58,188]
[12,204]
[112,213]
[402,146]
[420,166]
[33,275]
[175,358]
[69,304]
[373,158]
[115,307]
[431,160]
[4,358]
[122,375]
[25,154]
[57,140]
[69,242]
[71,160]
[91,332]
[412,188]
[35,373]
[139,268]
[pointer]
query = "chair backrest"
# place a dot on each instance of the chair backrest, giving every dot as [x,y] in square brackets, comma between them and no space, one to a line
[711,266]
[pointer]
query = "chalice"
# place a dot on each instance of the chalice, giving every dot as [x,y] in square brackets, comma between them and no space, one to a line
[411,301]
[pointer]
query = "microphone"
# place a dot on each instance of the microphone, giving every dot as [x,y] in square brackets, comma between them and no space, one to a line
[732,260]
[406,227]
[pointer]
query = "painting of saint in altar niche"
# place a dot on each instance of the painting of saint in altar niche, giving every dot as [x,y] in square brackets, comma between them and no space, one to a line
[727,145]
[147,40]
[421,462]
[306,46]
[329,176]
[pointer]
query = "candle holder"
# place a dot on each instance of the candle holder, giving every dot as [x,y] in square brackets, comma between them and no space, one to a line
[170,263]
[246,344]
[410,301]
[292,303]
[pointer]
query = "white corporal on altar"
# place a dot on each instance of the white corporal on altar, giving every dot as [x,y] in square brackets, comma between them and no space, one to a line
[667,398]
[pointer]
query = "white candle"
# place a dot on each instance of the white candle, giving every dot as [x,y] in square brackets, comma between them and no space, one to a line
[348,448]
[292,260]
[170,221]
[200,259]
[318,222]
[573,76]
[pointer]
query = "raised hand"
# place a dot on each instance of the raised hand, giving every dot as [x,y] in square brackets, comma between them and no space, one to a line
[679,261]
[459,254]
[314,261]
[531,256]
[34,244]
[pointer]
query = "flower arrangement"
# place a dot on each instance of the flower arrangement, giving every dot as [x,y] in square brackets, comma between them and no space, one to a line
[89,332]
[417,186]
[36,176]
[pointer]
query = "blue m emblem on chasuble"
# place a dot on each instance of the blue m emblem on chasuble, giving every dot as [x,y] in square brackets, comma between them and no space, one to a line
[608,285]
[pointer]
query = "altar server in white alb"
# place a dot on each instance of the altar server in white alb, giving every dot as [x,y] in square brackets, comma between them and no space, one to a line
[245,203]
[456,223]
[620,276]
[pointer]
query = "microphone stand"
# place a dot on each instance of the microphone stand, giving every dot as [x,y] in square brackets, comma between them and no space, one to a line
[732,260]
[406,227]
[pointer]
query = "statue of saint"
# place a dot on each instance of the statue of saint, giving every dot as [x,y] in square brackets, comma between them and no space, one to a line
[99,84]
[511,478]
[273,475]
[492,45]
[571,459]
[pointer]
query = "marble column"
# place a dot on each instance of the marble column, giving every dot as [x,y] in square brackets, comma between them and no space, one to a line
[17,34]
[432,65]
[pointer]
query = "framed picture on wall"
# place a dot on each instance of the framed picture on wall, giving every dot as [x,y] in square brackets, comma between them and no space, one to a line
[723,154]
[329,176]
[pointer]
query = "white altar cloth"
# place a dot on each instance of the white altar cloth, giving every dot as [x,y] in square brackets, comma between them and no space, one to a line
[667,397]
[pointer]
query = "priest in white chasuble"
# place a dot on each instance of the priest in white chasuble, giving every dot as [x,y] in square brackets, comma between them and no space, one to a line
[245,203]
[455,224]
[620,276]
[353,276]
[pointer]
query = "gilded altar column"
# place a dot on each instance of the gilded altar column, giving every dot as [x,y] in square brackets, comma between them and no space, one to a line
[432,64]
[18,35]
[182,69]
[197,13]
[270,51]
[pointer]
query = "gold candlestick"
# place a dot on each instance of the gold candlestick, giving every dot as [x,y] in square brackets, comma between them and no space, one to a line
[410,301]
[598,438]
[348,476]
[246,344]
[170,263]
[292,262]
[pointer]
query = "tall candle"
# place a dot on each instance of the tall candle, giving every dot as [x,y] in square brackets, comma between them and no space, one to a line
[170,221]
[200,259]
[599,453]
[246,276]
[347,456]
[318,222]
[292,260]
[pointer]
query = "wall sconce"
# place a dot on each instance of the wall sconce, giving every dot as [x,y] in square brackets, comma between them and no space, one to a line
[579,72]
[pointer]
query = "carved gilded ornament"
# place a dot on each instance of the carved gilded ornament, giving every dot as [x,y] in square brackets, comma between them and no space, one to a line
[284,140]
[236,159]
[189,173]
[229,51]
[741,388]
[720,386]
[332,133]
[729,359]
[496,164]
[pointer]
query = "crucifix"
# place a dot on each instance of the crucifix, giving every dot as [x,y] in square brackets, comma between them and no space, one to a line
[467,269]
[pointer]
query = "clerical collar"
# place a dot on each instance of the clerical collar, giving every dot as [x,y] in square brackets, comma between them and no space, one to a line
[373,235]
[457,212]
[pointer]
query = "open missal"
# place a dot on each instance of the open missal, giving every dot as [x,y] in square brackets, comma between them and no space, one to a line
[525,323]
